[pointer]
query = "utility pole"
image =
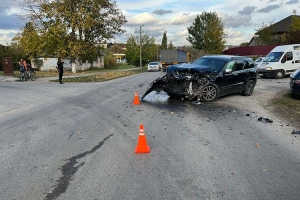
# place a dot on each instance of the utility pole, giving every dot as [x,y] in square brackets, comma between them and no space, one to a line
[157,52]
[141,45]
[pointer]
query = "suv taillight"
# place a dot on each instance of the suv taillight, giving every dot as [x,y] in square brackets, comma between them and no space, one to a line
[297,81]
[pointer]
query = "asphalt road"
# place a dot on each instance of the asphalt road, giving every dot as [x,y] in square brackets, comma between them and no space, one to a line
[76,141]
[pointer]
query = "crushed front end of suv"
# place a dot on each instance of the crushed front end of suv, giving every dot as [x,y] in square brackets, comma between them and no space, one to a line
[207,78]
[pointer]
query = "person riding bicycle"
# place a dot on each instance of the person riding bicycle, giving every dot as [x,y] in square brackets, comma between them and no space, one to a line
[22,66]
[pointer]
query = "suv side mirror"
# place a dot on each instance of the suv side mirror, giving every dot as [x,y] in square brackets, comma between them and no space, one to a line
[283,60]
[228,71]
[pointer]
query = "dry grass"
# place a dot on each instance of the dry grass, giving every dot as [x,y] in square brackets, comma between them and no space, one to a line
[105,76]
[288,107]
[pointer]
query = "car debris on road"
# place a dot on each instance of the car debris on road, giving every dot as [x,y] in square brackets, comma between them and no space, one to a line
[295,132]
[266,120]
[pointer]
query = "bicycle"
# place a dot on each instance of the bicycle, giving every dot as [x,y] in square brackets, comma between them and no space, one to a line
[25,75]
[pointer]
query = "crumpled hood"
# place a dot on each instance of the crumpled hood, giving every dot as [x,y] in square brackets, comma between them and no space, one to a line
[188,67]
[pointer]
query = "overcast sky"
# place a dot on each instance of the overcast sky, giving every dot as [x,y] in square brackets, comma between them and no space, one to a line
[240,17]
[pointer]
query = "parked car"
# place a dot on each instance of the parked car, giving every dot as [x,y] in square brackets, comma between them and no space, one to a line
[154,66]
[281,61]
[258,60]
[208,78]
[295,83]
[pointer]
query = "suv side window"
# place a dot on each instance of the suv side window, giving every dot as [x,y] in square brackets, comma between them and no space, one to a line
[248,65]
[230,66]
[239,65]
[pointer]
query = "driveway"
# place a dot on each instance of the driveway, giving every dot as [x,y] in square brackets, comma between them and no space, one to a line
[259,103]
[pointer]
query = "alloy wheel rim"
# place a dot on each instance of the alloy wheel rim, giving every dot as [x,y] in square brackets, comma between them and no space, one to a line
[209,93]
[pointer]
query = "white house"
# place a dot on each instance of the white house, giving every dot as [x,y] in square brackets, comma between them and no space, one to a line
[49,64]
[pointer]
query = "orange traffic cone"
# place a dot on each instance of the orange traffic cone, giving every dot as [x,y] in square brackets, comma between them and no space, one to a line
[136,98]
[142,146]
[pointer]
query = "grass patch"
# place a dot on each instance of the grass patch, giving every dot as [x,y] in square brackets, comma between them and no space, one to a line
[104,76]
[288,107]
[42,74]
[121,66]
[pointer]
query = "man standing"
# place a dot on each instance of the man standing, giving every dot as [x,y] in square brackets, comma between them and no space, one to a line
[60,68]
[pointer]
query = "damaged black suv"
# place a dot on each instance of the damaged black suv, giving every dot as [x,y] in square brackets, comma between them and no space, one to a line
[208,78]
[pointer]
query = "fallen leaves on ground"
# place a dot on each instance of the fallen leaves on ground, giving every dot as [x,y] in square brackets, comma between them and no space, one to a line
[105,76]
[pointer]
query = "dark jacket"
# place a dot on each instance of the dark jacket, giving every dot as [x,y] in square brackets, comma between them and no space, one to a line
[60,66]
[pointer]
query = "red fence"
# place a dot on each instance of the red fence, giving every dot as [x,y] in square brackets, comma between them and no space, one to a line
[250,50]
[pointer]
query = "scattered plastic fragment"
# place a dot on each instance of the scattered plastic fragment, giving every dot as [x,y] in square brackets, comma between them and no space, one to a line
[79,132]
[196,102]
[266,120]
[247,115]
[256,144]
[295,132]
[265,170]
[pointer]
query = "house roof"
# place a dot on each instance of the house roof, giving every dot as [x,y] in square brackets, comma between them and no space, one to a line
[282,26]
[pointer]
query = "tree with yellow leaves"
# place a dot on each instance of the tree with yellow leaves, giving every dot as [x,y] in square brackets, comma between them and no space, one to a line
[70,28]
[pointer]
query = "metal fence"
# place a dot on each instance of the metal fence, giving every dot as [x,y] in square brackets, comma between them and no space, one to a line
[250,50]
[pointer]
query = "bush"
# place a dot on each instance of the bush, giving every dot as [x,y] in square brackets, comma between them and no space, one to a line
[110,61]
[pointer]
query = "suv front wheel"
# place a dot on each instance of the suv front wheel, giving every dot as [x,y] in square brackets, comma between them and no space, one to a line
[210,93]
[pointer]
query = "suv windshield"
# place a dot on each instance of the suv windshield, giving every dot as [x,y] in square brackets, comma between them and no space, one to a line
[273,57]
[216,65]
[153,63]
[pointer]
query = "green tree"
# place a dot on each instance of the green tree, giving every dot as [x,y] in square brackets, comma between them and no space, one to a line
[266,35]
[194,53]
[149,49]
[14,51]
[30,41]
[171,46]
[293,36]
[207,33]
[73,28]
[109,60]
[164,42]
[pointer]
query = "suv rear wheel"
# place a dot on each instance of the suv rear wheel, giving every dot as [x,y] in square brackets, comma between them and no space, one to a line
[248,90]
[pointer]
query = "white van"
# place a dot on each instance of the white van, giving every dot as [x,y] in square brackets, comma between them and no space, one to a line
[282,60]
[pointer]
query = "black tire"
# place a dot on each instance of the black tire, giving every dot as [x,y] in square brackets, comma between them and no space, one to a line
[22,76]
[279,74]
[249,87]
[210,93]
[32,75]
